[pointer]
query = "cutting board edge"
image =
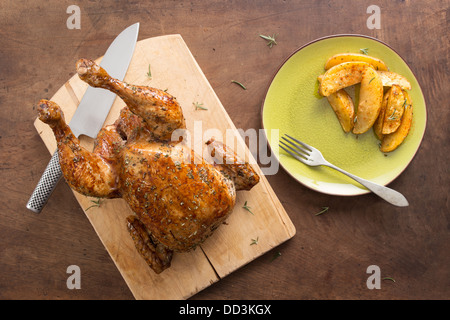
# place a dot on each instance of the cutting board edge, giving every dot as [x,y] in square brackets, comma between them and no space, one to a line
[253,258]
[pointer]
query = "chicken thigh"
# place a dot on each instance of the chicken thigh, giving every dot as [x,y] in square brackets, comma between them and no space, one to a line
[177,202]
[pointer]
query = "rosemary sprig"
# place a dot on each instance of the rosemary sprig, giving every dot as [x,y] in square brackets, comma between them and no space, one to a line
[324,209]
[276,255]
[389,278]
[246,207]
[254,241]
[149,73]
[199,106]
[240,84]
[270,40]
[392,117]
[364,51]
[96,203]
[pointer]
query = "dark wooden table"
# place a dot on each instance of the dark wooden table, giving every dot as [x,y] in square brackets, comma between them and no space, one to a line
[329,256]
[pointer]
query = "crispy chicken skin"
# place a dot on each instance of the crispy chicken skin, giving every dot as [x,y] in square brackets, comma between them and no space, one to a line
[177,202]
[160,111]
[86,172]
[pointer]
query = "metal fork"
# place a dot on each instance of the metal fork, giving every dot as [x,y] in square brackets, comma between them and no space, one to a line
[313,157]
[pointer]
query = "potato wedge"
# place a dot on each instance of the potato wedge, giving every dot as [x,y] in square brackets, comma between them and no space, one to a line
[376,63]
[378,125]
[370,98]
[341,76]
[342,104]
[394,110]
[389,78]
[391,141]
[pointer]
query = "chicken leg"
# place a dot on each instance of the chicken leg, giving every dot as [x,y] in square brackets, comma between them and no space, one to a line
[160,111]
[89,173]
[157,256]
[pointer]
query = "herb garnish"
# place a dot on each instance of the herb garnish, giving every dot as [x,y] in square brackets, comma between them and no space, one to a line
[246,207]
[149,73]
[242,86]
[389,278]
[270,40]
[324,209]
[199,106]
[276,255]
[392,117]
[96,203]
[404,105]
[254,241]
[364,51]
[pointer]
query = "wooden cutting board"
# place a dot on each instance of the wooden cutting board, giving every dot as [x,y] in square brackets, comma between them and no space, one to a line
[174,68]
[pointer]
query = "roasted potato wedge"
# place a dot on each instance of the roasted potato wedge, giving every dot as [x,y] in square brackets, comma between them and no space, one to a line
[378,125]
[391,141]
[389,114]
[376,63]
[389,78]
[370,98]
[342,104]
[394,110]
[341,76]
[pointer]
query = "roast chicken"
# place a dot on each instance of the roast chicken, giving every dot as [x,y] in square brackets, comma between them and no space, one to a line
[177,202]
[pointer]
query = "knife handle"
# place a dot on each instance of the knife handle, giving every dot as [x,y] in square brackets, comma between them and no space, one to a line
[46,185]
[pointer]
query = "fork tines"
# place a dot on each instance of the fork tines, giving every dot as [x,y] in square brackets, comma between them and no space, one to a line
[298,148]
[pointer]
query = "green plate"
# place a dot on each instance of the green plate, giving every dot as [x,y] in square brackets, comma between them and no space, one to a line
[292,106]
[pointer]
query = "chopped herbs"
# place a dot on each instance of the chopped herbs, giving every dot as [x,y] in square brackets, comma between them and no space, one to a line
[270,40]
[276,255]
[392,116]
[240,84]
[246,207]
[254,241]
[405,105]
[364,51]
[96,203]
[389,278]
[199,106]
[324,209]
[149,73]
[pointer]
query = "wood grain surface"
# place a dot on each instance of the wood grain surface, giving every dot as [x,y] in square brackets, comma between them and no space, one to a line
[329,256]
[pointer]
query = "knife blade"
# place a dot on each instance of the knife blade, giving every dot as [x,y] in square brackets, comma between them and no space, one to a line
[91,113]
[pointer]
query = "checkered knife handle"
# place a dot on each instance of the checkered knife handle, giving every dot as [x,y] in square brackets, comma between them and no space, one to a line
[46,185]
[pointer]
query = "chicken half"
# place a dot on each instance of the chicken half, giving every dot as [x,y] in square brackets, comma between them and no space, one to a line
[177,202]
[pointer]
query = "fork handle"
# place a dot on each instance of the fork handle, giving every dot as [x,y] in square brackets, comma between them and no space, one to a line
[388,194]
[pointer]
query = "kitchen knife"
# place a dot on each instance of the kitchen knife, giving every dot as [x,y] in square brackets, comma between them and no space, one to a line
[91,112]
